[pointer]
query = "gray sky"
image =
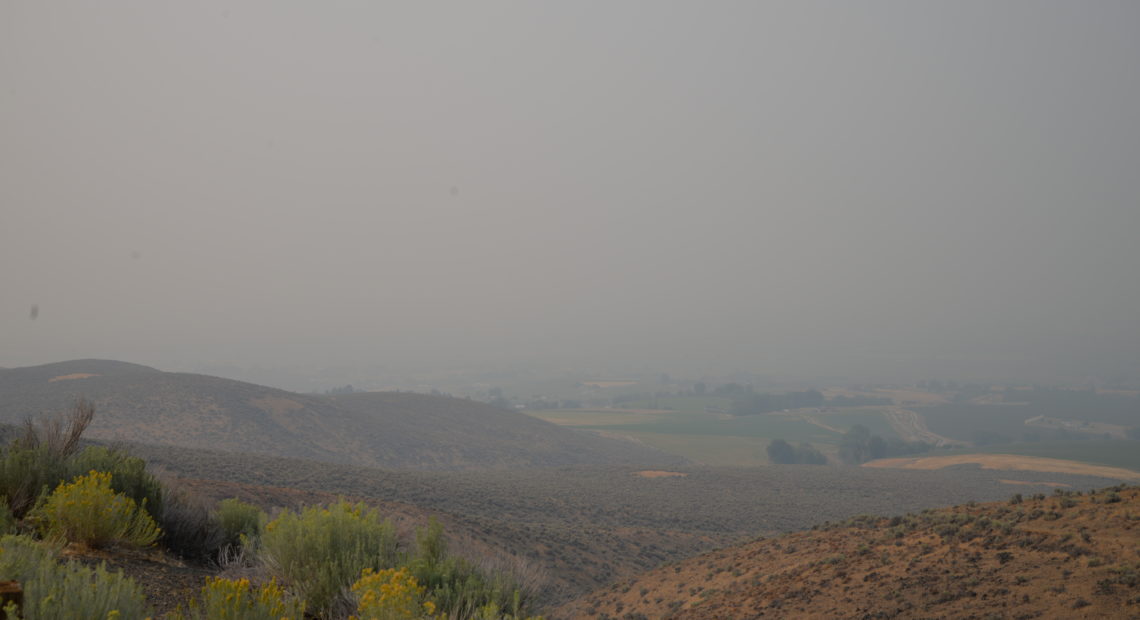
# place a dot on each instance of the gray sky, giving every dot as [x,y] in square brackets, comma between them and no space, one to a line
[796,187]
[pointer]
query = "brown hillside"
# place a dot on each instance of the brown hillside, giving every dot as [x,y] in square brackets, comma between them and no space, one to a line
[398,430]
[1065,555]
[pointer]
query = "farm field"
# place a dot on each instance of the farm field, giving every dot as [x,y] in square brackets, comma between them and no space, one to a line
[965,422]
[714,450]
[1113,453]
[693,427]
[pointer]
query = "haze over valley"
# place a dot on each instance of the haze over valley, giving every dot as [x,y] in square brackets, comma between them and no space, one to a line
[583,310]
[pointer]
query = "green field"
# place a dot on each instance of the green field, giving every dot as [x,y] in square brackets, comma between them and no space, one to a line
[1113,452]
[713,450]
[684,404]
[696,428]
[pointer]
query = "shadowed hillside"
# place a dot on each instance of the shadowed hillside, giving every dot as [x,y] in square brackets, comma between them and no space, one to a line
[141,404]
[1064,555]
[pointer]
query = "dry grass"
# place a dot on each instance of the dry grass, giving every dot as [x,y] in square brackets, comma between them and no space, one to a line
[1059,556]
[1010,462]
[276,405]
[1031,484]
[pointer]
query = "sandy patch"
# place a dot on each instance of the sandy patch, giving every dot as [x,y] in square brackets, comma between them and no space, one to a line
[1010,462]
[74,375]
[657,473]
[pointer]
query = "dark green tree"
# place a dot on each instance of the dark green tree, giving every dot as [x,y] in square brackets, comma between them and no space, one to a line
[781,452]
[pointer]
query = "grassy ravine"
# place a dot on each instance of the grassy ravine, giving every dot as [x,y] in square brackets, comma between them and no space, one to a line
[1061,555]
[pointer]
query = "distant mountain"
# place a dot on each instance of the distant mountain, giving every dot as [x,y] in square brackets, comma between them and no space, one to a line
[1066,555]
[397,430]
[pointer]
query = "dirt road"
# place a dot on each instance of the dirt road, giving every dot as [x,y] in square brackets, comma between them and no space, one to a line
[910,426]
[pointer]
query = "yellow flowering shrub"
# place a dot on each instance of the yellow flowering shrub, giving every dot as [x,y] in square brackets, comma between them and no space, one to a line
[87,510]
[228,599]
[391,594]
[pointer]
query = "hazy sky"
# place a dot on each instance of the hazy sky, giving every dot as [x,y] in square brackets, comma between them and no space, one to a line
[791,187]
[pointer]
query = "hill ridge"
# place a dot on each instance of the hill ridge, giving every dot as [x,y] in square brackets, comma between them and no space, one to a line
[1066,555]
[137,403]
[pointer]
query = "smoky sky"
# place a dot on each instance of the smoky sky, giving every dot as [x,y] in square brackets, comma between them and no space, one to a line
[784,187]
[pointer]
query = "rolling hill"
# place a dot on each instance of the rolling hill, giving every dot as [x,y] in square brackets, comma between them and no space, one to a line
[1065,555]
[397,430]
[583,527]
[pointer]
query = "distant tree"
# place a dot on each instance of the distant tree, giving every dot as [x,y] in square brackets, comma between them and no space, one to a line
[781,452]
[876,448]
[806,454]
[853,448]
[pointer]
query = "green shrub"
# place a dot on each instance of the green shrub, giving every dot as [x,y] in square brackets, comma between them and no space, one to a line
[7,519]
[238,519]
[36,462]
[71,591]
[320,552]
[238,600]
[457,587]
[88,511]
[26,474]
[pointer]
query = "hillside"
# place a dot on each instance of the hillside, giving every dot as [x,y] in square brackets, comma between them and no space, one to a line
[432,432]
[398,430]
[584,527]
[1065,555]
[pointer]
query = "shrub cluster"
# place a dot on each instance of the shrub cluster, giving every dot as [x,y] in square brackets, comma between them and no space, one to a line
[46,455]
[67,591]
[239,521]
[227,599]
[390,594]
[89,511]
[320,552]
[333,560]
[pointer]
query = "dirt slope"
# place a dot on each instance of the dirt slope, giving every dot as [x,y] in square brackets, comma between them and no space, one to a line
[1059,556]
[1008,462]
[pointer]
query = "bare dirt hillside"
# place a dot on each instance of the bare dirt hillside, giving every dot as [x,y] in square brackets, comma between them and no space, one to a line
[400,430]
[1063,555]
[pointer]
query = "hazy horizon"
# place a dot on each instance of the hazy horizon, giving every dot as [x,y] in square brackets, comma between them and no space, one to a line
[796,189]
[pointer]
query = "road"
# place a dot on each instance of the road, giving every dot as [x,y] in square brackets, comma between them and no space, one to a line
[910,426]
